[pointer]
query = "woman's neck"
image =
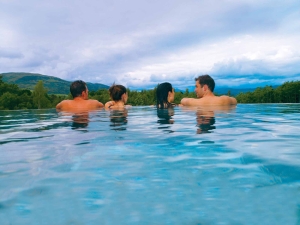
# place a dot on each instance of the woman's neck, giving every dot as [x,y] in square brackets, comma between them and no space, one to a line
[119,104]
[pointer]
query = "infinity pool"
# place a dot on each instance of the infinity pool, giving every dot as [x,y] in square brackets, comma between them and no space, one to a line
[142,166]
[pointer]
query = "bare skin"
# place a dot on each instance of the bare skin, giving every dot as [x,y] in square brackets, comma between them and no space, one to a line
[207,98]
[171,96]
[117,104]
[79,104]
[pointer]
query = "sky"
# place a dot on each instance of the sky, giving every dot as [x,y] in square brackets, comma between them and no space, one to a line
[139,43]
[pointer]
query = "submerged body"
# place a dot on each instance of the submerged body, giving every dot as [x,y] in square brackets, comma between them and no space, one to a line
[140,169]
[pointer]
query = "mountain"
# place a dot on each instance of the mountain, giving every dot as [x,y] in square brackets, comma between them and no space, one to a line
[54,85]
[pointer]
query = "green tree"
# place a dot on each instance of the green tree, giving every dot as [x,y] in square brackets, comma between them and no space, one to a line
[40,96]
[101,95]
[9,101]
[289,92]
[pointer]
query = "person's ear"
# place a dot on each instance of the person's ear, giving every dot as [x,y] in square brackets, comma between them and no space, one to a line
[205,87]
[123,96]
[84,93]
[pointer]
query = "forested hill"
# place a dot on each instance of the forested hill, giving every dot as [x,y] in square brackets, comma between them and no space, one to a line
[54,85]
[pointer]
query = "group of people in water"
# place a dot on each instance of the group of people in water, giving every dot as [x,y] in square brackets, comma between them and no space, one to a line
[165,94]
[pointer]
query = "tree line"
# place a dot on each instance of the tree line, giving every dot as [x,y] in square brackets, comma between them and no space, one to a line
[13,98]
[288,92]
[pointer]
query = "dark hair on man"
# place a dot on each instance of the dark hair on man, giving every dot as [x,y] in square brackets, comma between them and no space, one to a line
[162,92]
[77,87]
[116,91]
[206,79]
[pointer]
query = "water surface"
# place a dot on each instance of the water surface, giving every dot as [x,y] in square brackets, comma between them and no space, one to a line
[143,166]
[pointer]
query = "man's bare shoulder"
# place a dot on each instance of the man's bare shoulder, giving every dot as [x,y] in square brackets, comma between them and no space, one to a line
[63,103]
[95,103]
[66,101]
[227,100]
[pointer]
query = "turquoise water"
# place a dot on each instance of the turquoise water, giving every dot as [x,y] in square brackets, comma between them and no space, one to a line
[187,166]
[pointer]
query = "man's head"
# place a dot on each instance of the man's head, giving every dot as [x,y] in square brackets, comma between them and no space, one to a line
[204,83]
[78,88]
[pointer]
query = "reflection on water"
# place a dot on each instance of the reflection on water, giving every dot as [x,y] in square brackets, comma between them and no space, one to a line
[165,119]
[205,121]
[80,120]
[245,167]
[118,119]
[205,117]
[165,116]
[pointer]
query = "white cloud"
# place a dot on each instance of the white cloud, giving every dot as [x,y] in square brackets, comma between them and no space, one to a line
[140,43]
[233,56]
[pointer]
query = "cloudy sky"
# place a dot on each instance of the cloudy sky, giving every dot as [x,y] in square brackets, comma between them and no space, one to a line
[139,43]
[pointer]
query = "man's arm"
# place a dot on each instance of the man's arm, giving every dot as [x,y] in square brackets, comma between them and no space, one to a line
[189,102]
[226,100]
[94,104]
[233,101]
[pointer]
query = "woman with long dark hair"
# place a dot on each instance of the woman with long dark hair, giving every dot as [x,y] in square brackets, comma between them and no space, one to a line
[164,95]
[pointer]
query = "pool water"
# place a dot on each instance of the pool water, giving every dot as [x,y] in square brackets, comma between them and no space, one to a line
[142,166]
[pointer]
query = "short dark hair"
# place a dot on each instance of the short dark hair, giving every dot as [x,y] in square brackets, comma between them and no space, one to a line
[77,87]
[206,79]
[116,91]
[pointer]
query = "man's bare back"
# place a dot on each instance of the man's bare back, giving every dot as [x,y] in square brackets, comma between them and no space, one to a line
[77,105]
[80,100]
[205,96]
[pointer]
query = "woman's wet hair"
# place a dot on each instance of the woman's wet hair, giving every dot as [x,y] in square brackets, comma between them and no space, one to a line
[77,87]
[162,93]
[116,91]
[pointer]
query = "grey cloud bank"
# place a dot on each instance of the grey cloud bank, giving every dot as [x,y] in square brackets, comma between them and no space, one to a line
[142,43]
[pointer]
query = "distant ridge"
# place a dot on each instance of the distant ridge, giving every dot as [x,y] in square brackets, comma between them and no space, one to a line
[54,85]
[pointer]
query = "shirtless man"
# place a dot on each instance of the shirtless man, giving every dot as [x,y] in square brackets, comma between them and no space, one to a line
[80,100]
[204,90]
